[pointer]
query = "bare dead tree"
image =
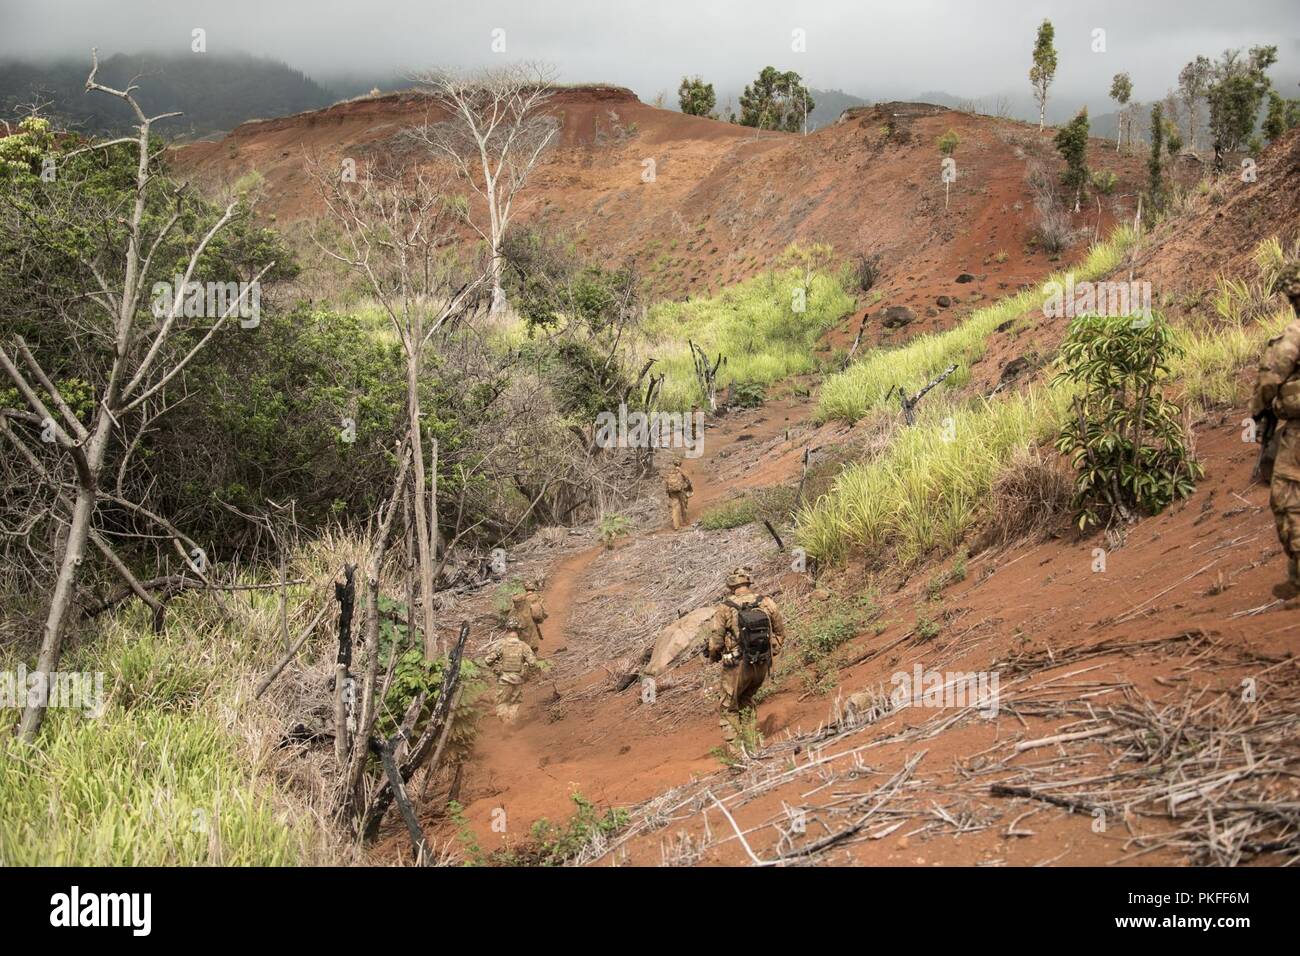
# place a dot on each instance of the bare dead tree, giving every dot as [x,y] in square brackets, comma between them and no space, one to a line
[494,133]
[706,373]
[396,227]
[139,370]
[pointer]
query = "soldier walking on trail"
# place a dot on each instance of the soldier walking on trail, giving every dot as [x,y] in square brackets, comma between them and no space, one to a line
[679,491]
[511,661]
[1275,406]
[747,630]
[530,612]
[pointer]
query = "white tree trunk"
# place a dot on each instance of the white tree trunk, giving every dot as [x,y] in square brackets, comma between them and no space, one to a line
[422,536]
[56,620]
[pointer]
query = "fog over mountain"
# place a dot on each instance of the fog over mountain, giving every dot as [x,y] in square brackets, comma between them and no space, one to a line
[866,49]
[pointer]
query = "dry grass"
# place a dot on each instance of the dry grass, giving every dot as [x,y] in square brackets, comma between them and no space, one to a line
[1027,498]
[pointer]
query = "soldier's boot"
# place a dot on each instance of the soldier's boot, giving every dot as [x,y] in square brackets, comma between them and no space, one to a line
[1290,591]
[729,724]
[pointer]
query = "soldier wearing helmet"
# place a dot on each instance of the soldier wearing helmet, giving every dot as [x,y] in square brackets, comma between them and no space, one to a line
[530,612]
[511,660]
[1275,406]
[679,489]
[747,629]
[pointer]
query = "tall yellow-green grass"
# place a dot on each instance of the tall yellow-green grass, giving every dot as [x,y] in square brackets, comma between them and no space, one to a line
[925,489]
[174,771]
[928,487]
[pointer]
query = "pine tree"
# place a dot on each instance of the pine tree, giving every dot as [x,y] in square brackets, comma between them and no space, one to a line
[1072,143]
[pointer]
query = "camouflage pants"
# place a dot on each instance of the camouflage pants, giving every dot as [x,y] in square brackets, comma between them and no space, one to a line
[677,502]
[1284,499]
[736,692]
[531,633]
[509,697]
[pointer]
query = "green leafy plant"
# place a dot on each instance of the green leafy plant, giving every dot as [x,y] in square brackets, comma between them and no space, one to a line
[1124,438]
[1072,144]
[747,394]
[612,527]
[948,143]
[553,844]
[1104,181]
[695,97]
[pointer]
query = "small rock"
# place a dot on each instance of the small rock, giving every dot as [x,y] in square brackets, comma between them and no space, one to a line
[965,277]
[943,301]
[1014,368]
[897,316]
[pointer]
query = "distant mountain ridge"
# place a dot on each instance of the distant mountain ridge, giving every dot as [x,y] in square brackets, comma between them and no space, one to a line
[215,92]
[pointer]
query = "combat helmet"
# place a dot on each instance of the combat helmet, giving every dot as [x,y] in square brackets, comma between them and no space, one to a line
[739,577]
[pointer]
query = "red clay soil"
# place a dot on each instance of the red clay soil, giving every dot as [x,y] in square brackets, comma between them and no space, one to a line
[1204,568]
[726,200]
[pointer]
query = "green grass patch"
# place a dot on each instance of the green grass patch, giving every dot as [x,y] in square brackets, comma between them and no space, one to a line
[1209,366]
[815,637]
[755,324]
[140,787]
[168,773]
[773,504]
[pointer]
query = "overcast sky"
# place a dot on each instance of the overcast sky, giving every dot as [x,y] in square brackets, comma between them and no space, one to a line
[873,49]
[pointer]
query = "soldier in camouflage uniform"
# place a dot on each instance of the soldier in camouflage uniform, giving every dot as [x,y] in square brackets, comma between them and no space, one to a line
[1277,396]
[679,490]
[530,612]
[743,620]
[511,660]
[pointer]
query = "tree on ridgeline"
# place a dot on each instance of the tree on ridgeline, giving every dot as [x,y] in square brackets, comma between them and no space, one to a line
[776,100]
[696,97]
[1121,91]
[1043,70]
[1236,93]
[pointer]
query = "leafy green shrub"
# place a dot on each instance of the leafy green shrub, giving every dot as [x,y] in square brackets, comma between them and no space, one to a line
[815,636]
[1124,438]
[612,527]
[554,845]
[747,394]
[1104,181]
[413,674]
[927,628]
[947,143]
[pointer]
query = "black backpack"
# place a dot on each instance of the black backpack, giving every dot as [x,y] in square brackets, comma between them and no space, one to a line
[755,633]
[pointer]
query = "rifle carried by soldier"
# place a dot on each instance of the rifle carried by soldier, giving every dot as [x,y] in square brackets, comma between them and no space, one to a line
[1266,435]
